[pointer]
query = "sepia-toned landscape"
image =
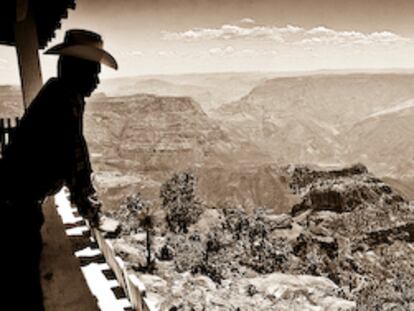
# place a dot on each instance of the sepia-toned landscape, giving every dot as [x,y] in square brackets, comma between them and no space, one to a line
[247,155]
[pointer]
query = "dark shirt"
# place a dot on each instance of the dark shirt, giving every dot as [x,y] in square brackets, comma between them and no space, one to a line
[48,150]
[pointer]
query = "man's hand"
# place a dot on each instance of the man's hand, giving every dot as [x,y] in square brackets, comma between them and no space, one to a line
[89,208]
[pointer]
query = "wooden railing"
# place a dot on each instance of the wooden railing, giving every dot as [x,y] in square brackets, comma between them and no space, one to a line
[7,128]
[133,287]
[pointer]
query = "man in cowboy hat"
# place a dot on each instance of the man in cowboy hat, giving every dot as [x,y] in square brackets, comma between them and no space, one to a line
[48,151]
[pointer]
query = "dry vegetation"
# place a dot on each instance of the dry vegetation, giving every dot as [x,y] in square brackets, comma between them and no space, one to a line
[349,227]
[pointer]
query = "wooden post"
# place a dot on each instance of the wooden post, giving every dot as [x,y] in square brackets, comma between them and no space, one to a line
[27,45]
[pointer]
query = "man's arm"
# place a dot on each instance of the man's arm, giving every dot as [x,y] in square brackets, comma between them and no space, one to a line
[83,194]
[78,180]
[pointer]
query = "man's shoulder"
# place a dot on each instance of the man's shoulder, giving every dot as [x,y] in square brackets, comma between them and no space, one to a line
[55,92]
[53,98]
[55,85]
[50,90]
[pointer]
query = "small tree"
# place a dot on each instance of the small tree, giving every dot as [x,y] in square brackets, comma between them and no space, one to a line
[134,213]
[146,220]
[178,196]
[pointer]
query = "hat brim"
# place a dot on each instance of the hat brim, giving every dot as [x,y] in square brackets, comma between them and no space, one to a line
[85,52]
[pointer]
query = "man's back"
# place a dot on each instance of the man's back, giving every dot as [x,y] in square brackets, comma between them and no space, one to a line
[39,158]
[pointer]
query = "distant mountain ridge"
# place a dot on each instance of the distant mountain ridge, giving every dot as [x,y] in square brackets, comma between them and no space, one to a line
[385,141]
[210,90]
[338,100]
[328,118]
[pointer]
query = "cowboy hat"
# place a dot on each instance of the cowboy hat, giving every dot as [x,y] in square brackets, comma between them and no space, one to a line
[84,44]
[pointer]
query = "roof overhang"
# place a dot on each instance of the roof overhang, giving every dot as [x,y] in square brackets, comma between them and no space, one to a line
[47,15]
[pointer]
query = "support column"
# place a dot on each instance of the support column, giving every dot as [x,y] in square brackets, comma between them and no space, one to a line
[27,46]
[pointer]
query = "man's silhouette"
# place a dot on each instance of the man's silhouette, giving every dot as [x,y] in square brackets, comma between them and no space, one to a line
[48,151]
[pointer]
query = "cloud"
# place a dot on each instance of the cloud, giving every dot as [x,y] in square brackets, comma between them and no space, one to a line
[137,53]
[166,53]
[128,53]
[288,34]
[248,52]
[231,32]
[248,21]
[323,35]
[320,30]
[228,50]
[243,52]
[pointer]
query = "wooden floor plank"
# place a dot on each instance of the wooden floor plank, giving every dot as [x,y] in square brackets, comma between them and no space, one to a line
[64,286]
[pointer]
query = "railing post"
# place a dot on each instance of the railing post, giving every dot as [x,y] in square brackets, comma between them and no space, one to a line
[2,136]
[8,130]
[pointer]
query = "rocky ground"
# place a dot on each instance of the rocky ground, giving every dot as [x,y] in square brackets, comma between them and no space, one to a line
[347,243]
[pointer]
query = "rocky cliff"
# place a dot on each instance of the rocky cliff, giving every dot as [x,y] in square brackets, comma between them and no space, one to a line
[357,231]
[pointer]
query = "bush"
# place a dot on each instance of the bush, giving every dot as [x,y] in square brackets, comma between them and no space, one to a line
[129,212]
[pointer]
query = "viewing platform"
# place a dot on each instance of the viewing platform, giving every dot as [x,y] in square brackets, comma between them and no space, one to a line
[79,269]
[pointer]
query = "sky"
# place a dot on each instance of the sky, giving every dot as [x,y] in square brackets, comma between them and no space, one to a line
[180,36]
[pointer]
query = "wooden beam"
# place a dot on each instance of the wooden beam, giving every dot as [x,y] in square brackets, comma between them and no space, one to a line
[27,47]
[22,7]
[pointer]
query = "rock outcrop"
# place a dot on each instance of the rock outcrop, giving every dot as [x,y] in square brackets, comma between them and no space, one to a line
[357,231]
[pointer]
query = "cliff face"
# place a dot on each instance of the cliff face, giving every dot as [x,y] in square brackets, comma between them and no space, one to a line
[151,137]
[150,132]
[158,133]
